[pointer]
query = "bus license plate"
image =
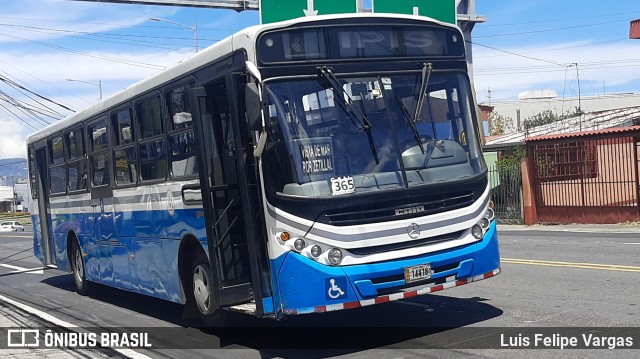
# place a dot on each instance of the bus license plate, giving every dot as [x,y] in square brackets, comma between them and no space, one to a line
[417,273]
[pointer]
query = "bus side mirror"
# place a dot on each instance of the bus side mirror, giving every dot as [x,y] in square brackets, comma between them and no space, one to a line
[253,106]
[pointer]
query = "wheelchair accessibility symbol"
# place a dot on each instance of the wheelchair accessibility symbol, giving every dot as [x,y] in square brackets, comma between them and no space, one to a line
[335,287]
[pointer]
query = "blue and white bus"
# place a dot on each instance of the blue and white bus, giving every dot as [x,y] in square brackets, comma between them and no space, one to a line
[312,165]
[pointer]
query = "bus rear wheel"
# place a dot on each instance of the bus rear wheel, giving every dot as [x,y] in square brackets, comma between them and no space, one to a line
[77,267]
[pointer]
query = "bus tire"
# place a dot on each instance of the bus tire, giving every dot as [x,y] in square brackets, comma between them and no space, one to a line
[78,269]
[201,291]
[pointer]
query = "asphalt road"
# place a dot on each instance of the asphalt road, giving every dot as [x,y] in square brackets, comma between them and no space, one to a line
[549,280]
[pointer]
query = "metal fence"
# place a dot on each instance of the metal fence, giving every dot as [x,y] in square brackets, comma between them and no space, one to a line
[506,192]
[587,180]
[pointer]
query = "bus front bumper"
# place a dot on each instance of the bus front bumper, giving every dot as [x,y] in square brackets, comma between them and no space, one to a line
[306,286]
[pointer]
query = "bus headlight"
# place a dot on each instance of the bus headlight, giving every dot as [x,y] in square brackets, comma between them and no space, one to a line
[335,256]
[316,250]
[299,244]
[477,231]
[489,214]
[484,223]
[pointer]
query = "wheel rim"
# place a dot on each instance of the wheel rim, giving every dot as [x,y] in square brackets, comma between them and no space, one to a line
[79,272]
[201,288]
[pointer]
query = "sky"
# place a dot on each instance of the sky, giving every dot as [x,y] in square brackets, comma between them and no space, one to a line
[523,46]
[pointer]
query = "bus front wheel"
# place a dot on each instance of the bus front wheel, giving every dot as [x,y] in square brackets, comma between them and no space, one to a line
[78,269]
[202,291]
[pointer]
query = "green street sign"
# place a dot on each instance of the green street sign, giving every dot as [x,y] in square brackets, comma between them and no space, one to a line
[279,10]
[443,10]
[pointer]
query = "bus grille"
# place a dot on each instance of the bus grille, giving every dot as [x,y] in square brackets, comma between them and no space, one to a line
[404,245]
[374,213]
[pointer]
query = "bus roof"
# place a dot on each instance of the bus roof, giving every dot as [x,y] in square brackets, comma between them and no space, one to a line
[243,39]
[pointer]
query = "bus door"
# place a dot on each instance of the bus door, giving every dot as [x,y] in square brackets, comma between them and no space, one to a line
[43,231]
[229,210]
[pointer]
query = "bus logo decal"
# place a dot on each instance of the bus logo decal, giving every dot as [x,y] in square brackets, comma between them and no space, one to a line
[409,210]
[413,230]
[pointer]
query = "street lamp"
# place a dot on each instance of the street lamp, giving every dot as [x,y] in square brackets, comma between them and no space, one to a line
[194,27]
[99,84]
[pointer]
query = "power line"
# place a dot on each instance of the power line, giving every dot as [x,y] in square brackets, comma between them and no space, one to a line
[39,79]
[105,58]
[111,37]
[116,24]
[558,20]
[548,30]
[516,54]
[36,94]
[559,48]
[18,117]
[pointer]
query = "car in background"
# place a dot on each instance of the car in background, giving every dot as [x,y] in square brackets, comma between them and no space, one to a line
[11,226]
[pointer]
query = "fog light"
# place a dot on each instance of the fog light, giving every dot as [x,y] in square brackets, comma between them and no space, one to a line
[335,256]
[299,244]
[476,231]
[316,251]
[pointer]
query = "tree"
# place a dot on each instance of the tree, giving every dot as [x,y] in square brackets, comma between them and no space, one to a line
[499,124]
[546,117]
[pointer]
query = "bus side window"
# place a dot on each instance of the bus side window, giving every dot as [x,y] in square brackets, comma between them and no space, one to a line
[99,157]
[152,145]
[77,169]
[57,171]
[178,108]
[181,138]
[183,154]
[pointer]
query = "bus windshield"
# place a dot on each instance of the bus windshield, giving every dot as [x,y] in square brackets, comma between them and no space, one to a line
[333,136]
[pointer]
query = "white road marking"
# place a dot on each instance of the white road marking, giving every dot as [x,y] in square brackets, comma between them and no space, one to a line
[16,269]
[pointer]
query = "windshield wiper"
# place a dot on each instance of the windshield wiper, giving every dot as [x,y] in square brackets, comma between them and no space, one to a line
[347,101]
[426,75]
[341,93]
[410,123]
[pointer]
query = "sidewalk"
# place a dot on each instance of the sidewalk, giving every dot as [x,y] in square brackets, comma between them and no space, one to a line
[576,227]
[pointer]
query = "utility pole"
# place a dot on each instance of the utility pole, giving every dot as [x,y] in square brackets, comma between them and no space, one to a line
[579,95]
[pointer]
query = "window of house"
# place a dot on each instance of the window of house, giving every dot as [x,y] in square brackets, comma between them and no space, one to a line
[566,161]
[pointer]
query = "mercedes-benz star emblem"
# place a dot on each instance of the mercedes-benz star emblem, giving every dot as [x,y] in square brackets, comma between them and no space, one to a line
[414,230]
